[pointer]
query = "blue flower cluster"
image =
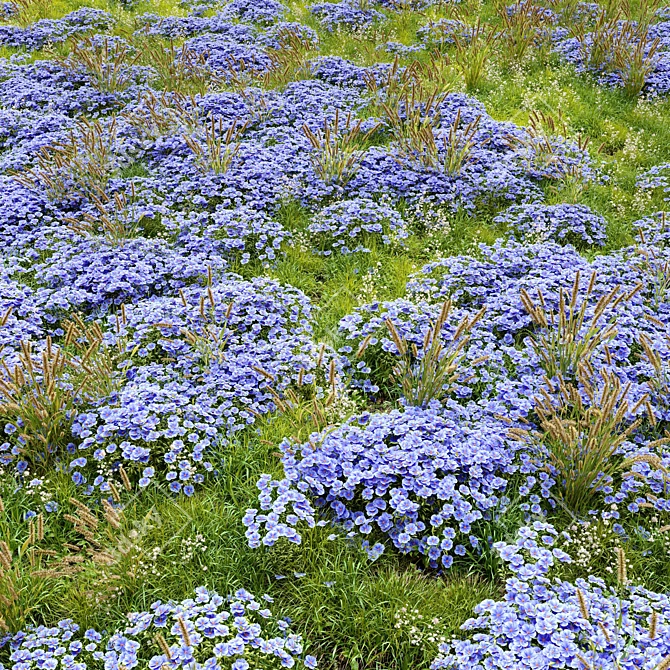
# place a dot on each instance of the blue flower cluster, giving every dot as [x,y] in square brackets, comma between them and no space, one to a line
[544,623]
[264,12]
[421,477]
[223,54]
[351,226]
[656,177]
[565,223]
[92,275]
[198,369]
[238,235]
[347,15]
[54,31]
[198,633]
[174,27]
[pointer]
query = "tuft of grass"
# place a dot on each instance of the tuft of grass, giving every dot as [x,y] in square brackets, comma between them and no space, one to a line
[565,341]
[40,396]
[582,440]
[431,373]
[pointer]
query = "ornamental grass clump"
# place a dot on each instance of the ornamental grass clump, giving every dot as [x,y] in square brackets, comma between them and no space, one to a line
[401,94]
[289,59]
[598,45]
[155,116]
[108,62]
[210,340]
[566,341]
[437,70]
[41,395]
[656,354]
[23,587]
[220,148]
[473,50]
[338,149]
[653,231]
[78,167]
[373,350]
[415,124]
[635,59]
[180,69]
[104,544]
[412,118]
[524,26]
[544,150]
[315,405]
[583,437]
[8,592]
[113,217]
[25,12]
[626,49]
[431,373]
[458,143]
[656,268]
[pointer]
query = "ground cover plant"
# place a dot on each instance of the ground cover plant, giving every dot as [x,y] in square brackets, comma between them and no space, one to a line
[334,334]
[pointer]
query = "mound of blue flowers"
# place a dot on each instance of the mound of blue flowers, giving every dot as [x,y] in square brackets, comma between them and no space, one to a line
[423,478]
[550,623]
[201,632]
